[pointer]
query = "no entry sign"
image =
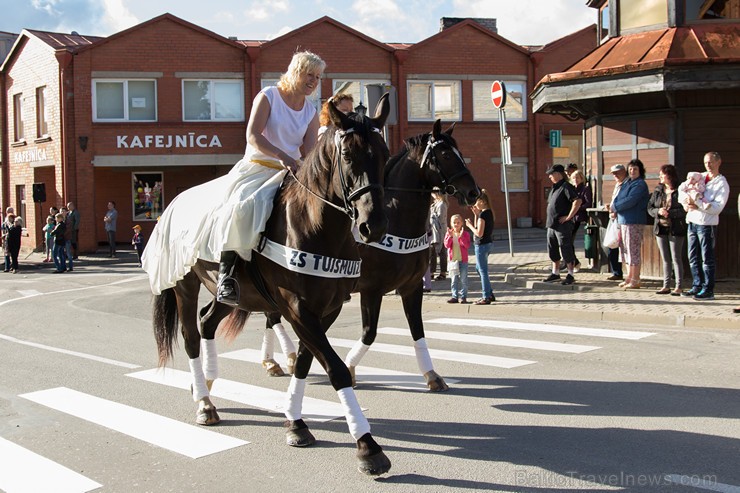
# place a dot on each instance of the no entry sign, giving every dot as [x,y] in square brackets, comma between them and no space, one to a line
[498,94]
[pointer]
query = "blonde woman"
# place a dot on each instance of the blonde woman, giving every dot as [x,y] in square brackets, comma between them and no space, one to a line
[220,219]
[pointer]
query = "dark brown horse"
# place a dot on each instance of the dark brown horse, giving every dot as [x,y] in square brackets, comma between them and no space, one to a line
[309,236]
[398,261]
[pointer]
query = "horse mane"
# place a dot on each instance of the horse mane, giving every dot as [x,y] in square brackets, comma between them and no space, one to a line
[317,172]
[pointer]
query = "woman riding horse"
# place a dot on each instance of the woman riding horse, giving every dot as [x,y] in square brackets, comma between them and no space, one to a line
[309,236]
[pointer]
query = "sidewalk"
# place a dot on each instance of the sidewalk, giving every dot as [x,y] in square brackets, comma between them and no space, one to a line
[518,289]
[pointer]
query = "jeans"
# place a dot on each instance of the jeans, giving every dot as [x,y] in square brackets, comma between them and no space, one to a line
[111,242]
[671,252]
[459,281]
[481,265]
[59,257]
[615,263]
[68,252]
[701,255]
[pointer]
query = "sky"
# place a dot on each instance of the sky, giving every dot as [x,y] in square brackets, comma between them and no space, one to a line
[525,22]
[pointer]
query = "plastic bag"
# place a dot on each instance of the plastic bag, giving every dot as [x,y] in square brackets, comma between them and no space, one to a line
[611,237]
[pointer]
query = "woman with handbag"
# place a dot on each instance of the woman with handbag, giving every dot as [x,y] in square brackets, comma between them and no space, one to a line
[669,227]
[631,208]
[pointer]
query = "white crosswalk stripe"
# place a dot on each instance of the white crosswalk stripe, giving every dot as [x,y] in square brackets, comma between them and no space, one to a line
[167,433]
[440,354]
[23,471]
[494,341]
[558,329]
[365,375]
[250,395]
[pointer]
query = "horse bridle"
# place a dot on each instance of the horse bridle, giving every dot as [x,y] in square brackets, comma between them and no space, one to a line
[348,195]
[429,155]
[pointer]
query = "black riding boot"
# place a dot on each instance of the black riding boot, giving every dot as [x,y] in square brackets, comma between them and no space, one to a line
[227,291]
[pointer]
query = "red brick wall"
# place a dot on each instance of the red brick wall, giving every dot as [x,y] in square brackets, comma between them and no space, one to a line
[35,66]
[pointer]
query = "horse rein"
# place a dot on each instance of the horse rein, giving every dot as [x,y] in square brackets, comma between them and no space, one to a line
[348,194]
[429,155]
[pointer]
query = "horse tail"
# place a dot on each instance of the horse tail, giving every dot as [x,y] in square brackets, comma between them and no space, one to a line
[165,321]
[233,324]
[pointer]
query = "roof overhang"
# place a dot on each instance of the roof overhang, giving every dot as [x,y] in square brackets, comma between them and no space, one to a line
[577,97]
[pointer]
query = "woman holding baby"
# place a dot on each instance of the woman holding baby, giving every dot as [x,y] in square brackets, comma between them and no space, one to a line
[669,227]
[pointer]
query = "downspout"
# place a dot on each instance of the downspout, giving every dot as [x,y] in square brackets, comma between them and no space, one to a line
[401,56]
[64,58]
[534,205]
[4,142]
[253,53]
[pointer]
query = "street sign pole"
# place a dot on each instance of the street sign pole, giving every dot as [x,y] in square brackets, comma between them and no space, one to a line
[506,161]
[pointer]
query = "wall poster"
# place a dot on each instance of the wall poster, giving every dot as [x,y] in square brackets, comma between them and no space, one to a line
[146,195]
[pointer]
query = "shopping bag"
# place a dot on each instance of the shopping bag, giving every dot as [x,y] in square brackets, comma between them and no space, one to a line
[611,237]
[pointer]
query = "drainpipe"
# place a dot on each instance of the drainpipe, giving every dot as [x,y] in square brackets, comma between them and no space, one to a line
[253,53]
[4,143]
[536,204]
[401,56]
[64,58]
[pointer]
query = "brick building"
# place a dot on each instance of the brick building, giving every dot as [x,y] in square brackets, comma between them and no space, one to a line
[141,115]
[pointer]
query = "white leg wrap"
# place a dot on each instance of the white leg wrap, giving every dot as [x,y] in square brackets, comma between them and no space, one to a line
[210,358]
[422,356]
[294,399]
[356,421]
[286,343]
[356,353]
[268,345]
[200,389]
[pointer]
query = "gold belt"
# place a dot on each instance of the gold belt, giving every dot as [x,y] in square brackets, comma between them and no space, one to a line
[268,164]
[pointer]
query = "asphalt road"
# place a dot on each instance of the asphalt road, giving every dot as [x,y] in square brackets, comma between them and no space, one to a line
[535,406]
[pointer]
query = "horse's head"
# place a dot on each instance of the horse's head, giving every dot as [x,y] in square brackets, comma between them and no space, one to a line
[446,168]
[360,154]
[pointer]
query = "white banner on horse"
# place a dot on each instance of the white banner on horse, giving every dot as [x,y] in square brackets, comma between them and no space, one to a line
[308,263]
[397,244]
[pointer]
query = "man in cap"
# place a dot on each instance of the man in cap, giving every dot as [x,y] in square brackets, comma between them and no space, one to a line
[619,173]
[562,206]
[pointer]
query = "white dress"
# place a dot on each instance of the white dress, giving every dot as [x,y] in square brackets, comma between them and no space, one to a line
[227,213]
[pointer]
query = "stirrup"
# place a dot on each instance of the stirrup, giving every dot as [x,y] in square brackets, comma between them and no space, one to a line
[227,291]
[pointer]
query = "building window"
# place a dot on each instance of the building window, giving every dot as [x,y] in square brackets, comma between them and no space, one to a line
[42,113]
[640,13]
[516,101]
[314,99]
[604,22]
[516,177]
[431,100]
[213,100]
[20,203]
[18,135]
[124,100]
[711,9]
[358,90]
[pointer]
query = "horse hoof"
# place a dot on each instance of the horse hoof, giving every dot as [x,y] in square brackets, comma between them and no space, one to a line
[272,368]
[207,417]
[291,363]
[435,382]
[374,465]
[299,438]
